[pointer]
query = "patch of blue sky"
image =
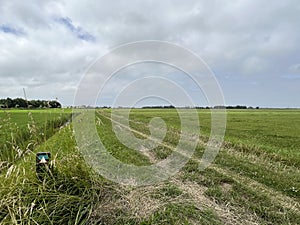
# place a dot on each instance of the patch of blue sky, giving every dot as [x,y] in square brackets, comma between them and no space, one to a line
[77,31]
[11,30]
[291,76]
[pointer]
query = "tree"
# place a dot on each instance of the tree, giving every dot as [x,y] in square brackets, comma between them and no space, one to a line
[19,102]
[9,103]
[54,104]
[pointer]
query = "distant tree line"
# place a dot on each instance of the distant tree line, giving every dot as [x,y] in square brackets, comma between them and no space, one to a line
[202,107]
[235,107]
[32,104]
[159,107]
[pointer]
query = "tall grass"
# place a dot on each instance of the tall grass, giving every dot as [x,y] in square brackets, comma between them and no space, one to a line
[67,195]
[16,141]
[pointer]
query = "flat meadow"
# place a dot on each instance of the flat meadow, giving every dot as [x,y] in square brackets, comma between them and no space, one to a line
[255,178]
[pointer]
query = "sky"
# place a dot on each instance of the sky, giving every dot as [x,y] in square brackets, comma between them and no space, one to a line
[251,46]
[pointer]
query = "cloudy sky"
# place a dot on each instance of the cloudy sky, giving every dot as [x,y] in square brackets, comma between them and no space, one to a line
[253,47]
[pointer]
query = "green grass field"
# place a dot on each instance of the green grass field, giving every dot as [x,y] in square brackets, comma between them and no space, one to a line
[255,178]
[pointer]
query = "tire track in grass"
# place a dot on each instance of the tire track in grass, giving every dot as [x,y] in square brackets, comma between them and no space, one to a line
[275,196]
[228,214]
[262,159]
